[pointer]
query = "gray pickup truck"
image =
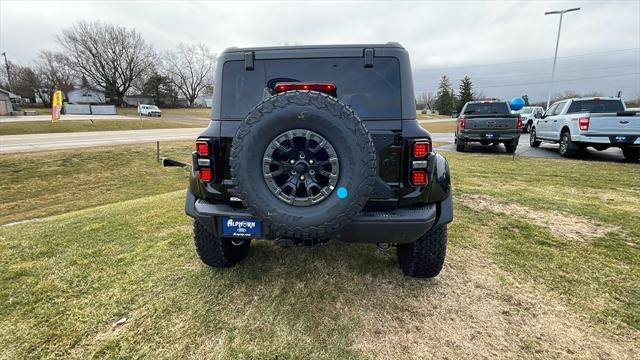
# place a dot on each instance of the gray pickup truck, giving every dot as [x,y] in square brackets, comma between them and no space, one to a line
[488,122]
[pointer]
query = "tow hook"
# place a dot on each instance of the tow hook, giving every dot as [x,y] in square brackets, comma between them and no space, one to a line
[237,242]
[383,247]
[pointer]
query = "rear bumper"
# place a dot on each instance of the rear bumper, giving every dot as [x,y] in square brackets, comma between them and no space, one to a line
[402,225]
[490,136]
[613,140]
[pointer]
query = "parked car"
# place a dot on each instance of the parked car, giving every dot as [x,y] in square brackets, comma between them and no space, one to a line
[598,122]
[529,114]
[488,122]
[308,144]
[149,110]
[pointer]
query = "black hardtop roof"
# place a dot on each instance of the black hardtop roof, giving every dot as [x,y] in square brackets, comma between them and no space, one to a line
[309,47]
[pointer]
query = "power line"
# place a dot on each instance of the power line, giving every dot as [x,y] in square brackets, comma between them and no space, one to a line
[532,60]
[565,80]
[536,75]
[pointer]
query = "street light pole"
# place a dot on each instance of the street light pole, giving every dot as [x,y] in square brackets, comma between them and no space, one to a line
[6,64]
[555,55]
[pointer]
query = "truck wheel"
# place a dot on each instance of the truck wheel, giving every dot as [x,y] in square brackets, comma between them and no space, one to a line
[460,145]
[304,163]
[631,153]
[424,258]
[511,146]
[533,142]
[218,252]
[567,147]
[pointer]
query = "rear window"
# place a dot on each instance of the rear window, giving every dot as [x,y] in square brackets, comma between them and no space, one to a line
[372,92]
[595,106]
[486,108]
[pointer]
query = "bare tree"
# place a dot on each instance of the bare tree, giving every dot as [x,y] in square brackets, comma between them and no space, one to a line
[425,100]
[190,68]
[54,73]
[112,57]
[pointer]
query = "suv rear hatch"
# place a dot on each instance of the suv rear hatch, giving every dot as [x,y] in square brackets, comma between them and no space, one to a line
[373,92]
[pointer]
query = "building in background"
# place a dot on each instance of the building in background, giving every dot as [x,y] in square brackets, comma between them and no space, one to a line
[86,97]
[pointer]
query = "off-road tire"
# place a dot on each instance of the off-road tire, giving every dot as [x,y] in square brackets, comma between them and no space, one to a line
[511,146]
[460,145]
[567,148]
[631,153]
[533,142]
[424,258]
[218,252]
[340,126]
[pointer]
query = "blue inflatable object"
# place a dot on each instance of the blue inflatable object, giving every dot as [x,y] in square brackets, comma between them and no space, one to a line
[516,103]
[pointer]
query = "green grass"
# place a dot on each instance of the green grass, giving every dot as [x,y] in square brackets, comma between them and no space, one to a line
[509,287]
[41,127]
[40,184]
[440,127]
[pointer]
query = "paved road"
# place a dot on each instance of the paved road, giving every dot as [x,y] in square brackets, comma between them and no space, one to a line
[47,118]
[35,142]
[545,150]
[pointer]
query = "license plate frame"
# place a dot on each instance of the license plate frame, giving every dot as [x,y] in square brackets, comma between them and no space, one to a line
[240,227]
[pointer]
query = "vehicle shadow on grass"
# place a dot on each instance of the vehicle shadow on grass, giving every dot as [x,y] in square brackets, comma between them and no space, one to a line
[334,259]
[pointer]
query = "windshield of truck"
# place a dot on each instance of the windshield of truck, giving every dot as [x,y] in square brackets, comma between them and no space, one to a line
[486,108]
[595,106]
[372,92]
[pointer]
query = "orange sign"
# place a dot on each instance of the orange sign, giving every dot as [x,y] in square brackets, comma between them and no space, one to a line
[56,105]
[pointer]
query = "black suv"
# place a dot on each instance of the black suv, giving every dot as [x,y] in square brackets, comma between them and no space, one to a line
[311,143]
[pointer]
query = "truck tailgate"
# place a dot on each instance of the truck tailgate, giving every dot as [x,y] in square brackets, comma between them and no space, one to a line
[491,123]
[612,124]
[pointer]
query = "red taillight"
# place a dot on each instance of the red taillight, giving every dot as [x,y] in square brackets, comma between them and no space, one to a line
[202,148]
[418,177]
[421,149]
[461,122]
[324,87]
[205,174]
[583,122]
[520,124]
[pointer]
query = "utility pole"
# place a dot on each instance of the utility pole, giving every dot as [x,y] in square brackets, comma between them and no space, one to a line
[6,64]
[555,56]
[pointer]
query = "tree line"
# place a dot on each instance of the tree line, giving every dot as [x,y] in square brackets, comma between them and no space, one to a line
[446,100]
[117,60]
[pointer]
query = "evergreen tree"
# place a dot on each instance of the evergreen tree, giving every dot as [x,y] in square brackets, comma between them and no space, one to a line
[465,92]
[444,97]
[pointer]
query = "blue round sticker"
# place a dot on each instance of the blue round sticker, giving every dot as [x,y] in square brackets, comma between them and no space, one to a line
[342,193]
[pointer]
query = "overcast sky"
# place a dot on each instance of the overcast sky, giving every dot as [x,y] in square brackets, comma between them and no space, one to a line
[506,47]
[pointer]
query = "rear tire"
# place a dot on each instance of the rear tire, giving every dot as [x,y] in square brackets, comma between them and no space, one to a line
[424,258]
[460,144]
[511,146]
[533,142]
[631,153]
[218,252]
[567,147]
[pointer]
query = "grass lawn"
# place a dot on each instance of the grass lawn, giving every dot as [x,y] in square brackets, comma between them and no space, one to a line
[117,276]
[33,185]
[440,127]
[41,127]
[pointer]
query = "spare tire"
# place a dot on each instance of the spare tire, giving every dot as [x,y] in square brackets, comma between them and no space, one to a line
[304,163]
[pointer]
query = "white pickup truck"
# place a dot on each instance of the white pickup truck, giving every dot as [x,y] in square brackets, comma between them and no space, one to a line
[598,122]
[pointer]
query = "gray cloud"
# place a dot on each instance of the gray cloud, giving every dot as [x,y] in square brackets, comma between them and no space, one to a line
[453,38]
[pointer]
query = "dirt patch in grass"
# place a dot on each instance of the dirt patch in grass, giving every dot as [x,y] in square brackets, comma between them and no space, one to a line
[562,225]
[476,310]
